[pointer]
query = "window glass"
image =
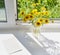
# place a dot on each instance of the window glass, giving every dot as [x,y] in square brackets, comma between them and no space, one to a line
[53,6]
[2,11]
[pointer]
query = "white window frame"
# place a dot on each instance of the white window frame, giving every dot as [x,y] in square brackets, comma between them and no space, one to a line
[10,12]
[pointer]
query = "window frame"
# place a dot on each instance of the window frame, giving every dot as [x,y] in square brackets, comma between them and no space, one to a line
[10,14]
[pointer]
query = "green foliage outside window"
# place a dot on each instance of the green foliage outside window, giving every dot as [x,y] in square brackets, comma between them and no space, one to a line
[52,5]
[2,5]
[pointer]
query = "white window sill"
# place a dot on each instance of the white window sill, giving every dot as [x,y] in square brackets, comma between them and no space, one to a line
[56,24]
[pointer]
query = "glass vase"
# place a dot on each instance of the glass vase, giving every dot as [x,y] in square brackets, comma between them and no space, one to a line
[36,32]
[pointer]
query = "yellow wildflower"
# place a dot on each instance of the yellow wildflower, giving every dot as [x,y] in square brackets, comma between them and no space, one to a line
[34,11]
[41,20]
[37,23]
[46,13]
[46,21]
[22,13]
[37,13]
[42,13]
[26,18]
[31,17]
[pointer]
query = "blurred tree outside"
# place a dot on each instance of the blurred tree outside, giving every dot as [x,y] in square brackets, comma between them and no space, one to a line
[2,4]
[2,10]
[52,5]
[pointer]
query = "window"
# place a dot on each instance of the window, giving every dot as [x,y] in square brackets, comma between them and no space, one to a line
[7,14]
[2,11]
[52,5]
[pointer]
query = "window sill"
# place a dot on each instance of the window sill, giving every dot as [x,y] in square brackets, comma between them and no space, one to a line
[46,27]
[56,24]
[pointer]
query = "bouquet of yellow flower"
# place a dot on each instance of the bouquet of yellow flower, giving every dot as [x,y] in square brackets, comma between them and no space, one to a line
[33,11]
[37,18]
